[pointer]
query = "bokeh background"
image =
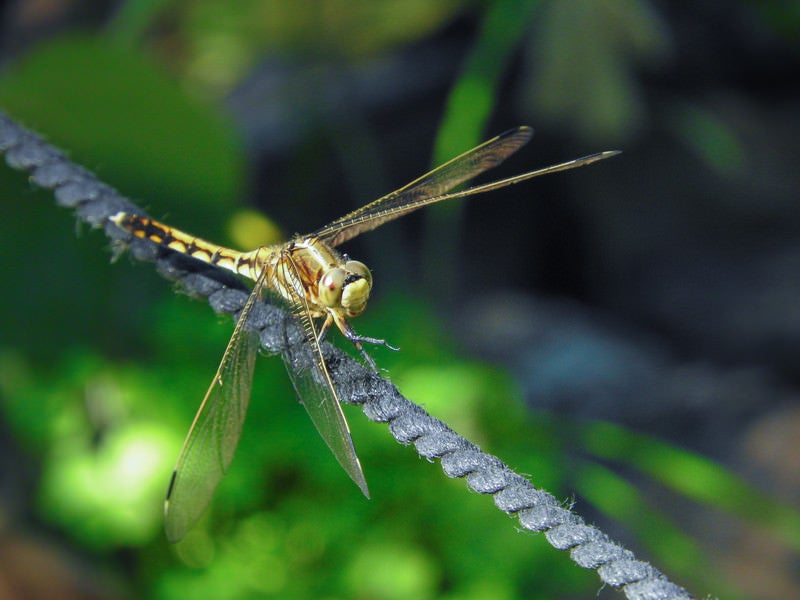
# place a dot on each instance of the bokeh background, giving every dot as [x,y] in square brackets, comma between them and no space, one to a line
[627,334]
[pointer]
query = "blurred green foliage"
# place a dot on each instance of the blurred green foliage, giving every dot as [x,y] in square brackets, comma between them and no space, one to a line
[86,120]
[585,54]
[102,367]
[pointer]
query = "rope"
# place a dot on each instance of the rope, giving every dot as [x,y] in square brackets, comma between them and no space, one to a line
[94,202]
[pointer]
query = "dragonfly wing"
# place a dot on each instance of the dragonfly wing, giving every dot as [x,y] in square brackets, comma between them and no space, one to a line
[215,432]
[309,373]
[428,189]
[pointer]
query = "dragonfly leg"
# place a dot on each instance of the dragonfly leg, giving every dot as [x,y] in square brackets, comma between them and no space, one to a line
[323,331]
[358,340]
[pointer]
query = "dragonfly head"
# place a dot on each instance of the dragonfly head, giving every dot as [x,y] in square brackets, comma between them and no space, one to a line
[346,287]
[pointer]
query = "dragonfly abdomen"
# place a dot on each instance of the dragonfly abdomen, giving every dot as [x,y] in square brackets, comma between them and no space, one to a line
[243,263]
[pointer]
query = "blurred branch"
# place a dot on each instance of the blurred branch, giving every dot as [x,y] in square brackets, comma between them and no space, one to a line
[537,510]
[469,106]
[473,97]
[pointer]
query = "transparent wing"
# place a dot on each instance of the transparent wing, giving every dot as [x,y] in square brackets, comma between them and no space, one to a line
[434,186]
[423,190]
[215,431]
[312,382]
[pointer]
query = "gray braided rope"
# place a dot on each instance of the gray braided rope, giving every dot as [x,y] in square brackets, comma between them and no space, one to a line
[94,202]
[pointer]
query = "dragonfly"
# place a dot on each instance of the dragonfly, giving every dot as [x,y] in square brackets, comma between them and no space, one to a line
[324,288]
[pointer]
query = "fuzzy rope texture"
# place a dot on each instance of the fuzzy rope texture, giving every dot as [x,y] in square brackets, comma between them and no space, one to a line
[94,202]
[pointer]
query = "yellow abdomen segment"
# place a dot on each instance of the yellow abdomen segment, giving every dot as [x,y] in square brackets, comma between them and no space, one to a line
[243,263]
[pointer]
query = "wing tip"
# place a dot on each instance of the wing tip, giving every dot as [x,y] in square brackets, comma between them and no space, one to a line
[362,485]
[522,134]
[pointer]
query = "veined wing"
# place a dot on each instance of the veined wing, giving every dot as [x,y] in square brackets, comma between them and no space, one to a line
[426,189]
[434,186]
[312,382]
[215,431]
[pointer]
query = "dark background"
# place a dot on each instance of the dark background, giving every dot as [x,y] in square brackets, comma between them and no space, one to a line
[626,333]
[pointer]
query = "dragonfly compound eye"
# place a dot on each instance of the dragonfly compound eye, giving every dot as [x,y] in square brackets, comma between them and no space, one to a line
[358,268]
[330,287]
[357,286]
